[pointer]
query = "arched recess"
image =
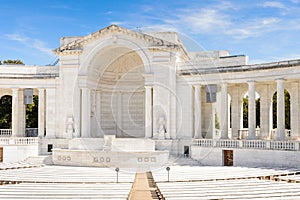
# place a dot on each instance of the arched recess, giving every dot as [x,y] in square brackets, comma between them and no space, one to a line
[113,42]
[6,112]
[287,108]
[119,98]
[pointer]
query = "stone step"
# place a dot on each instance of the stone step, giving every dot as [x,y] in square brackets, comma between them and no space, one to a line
[43,159]
[144,188]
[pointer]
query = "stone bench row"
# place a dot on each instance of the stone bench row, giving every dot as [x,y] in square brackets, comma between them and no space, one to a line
[19,165]
[203,173]
[66,174]
[65,191]
[238,189]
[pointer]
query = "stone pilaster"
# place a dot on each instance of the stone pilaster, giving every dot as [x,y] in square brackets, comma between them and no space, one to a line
[148,112]
[99,132]
[50,113]
[85,112]
[41,113]
[197,112]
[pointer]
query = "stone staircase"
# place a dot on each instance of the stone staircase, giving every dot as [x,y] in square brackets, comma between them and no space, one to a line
[43,159]
[144,187]
[182,161]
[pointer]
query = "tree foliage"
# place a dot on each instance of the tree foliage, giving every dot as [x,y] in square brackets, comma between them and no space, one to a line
[217,123]
[287,110]
[5,112]
[8,62]
[274,111]
[245,112]
[32,113]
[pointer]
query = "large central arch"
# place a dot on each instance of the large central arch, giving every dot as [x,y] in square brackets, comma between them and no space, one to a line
[119,72]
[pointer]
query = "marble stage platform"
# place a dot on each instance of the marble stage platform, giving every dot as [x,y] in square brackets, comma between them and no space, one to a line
[111,152]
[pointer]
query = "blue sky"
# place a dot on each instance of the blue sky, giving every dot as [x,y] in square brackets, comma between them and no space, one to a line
[264,30]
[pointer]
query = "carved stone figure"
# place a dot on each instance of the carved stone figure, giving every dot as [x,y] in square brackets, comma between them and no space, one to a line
[161,128]
[70,127]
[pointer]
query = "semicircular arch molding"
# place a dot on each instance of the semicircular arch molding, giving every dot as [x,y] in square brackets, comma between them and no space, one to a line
[116,41]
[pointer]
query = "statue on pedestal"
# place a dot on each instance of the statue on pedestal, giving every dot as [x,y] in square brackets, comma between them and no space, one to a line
[162,131]
[69,127]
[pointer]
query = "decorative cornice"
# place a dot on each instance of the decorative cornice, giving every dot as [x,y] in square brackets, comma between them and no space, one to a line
[76,45]
[242,68]
[68,52]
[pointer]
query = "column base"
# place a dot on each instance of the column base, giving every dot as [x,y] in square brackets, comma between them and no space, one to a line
[251,138]
[224,138]
[198,138]
[281,138]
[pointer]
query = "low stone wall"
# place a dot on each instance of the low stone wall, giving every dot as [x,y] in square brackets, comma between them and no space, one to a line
[247,157]
[55,143]
[98,158]
[17,153]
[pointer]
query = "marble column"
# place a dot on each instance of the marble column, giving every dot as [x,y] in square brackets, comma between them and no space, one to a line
[280,111]
[224,112]
[50,113]
[41,113]
[148,112]
[294,106]
[251,112]
[15,112]
[85,112]
[197,112]
[236,112]
[265,103]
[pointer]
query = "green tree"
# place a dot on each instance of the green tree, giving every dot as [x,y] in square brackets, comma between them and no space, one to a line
[5,112]
[19,62]
[217,123]
[32,113]
[287,104]
[257,108]
[245,111]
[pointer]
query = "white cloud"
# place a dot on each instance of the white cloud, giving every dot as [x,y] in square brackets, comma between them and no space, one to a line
[215,21]
[295,1]
[254,28]
[225,19]
[274,4]
[200,20]
[30,42]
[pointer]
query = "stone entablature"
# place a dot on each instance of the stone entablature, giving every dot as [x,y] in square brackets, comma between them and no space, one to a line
[232,67]
[21,71]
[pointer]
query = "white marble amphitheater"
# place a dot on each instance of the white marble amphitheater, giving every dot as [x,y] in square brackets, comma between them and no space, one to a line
[137,101]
